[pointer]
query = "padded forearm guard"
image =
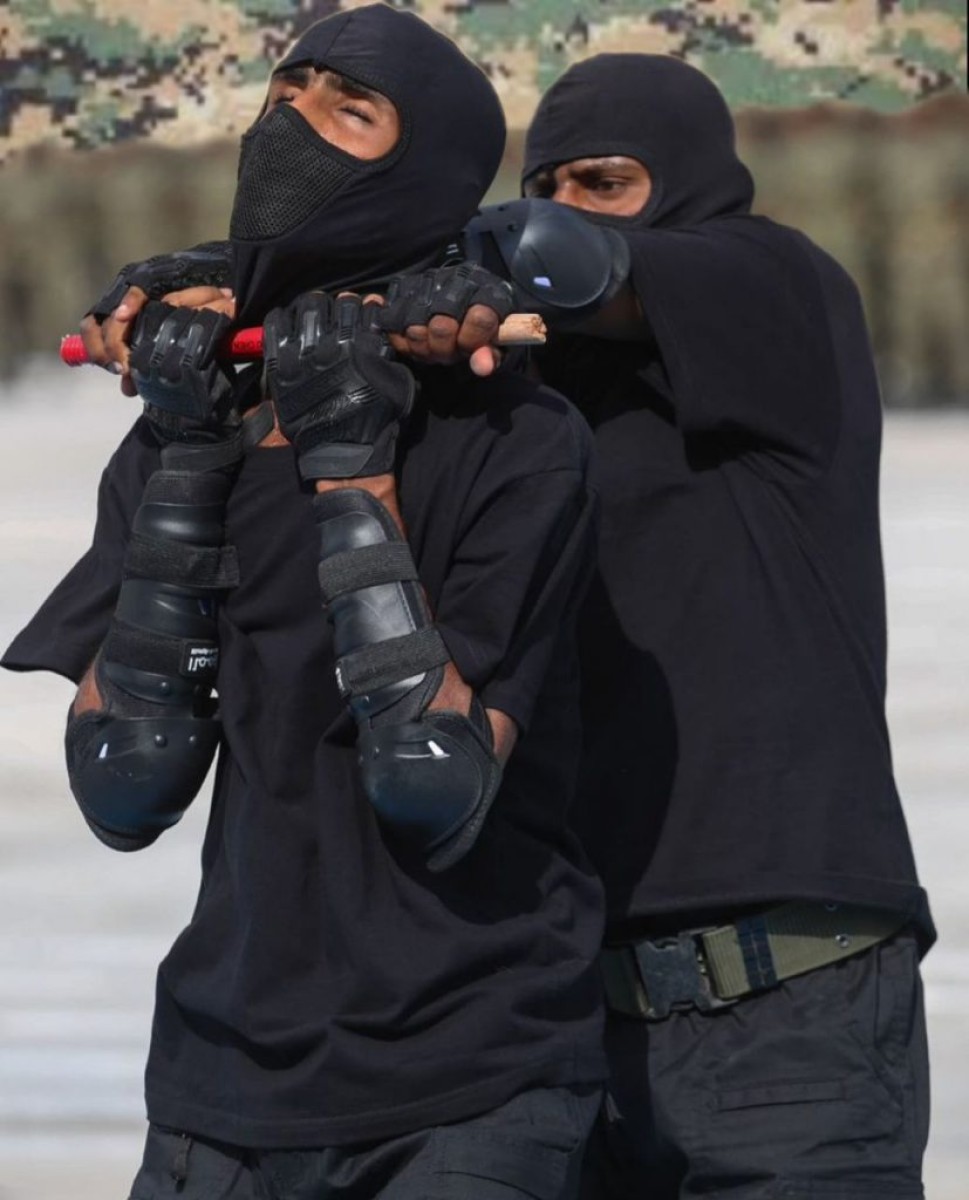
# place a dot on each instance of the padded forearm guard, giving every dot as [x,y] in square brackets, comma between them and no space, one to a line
[136,764]
[430,776]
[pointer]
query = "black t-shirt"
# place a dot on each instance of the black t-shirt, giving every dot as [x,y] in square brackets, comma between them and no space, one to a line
[329,989]
[733,642]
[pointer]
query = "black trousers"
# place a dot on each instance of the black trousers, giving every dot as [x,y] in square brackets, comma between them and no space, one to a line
[528,1149]
[815,1090]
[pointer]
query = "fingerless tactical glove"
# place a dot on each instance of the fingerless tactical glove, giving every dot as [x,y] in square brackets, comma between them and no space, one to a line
[443,291]
[206,265]
[187,392]
[339,396]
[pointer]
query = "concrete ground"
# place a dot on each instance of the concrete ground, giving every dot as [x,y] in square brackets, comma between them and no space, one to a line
[82,928]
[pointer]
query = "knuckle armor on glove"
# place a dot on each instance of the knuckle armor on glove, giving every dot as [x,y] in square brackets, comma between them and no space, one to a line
[444,291]
[137,764]
[430,776]
[339,396]
[174,365]
[205,265]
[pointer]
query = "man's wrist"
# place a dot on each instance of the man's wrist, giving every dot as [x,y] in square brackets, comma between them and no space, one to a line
[381,487]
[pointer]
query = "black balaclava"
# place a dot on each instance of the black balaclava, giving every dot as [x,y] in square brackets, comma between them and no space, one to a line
[308,215]
[658,110]
[734,302]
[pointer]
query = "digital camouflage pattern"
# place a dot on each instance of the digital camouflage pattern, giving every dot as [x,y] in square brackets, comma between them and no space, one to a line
[83,73]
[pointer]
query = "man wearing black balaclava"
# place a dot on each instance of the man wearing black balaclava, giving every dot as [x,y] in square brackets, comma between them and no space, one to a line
[766,1033]
[388,987]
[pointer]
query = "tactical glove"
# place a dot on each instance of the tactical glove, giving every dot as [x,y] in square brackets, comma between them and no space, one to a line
[187,392]
[443,291]
[339,397]
[205,265]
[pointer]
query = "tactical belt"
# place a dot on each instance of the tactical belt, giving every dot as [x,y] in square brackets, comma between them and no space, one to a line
[715,967]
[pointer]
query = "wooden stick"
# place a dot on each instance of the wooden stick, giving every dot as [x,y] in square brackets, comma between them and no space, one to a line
[522,329]
[245,345]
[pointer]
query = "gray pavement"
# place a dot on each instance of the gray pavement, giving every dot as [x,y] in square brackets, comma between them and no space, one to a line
[82,928]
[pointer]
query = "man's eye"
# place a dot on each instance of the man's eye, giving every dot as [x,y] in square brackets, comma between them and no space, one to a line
[608,185]
[360,113]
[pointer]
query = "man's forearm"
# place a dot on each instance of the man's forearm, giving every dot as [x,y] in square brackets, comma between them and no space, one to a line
[143,729]
[426,746]
[454,694]
[621,320]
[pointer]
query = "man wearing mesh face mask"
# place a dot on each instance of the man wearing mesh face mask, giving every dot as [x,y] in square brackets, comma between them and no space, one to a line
[388,986]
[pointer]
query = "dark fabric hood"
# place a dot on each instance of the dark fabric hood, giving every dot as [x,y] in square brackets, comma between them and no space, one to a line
[656,109]
[734,302]
[373,219]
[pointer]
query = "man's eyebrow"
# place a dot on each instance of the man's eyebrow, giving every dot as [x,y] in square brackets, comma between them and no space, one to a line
[300,76]
[349,87]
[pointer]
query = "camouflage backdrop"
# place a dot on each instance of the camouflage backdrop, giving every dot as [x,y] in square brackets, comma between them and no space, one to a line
[82,73]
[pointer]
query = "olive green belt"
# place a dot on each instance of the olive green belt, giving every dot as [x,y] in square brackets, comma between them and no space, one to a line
[715,967]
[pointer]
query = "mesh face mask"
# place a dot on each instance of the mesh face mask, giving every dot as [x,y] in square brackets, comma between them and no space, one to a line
[287,172]
[309,215]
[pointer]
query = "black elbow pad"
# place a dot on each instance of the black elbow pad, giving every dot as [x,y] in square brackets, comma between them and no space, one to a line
[433,779]
[133,777]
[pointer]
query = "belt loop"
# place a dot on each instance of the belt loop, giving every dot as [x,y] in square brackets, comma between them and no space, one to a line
[179,1171]
[754,941]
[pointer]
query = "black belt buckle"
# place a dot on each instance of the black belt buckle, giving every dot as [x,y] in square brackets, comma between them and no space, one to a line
[674,975]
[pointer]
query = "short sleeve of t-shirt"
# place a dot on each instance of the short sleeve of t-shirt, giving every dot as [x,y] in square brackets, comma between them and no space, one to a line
[738,311]
[69,627]
[513,588]
[520,549]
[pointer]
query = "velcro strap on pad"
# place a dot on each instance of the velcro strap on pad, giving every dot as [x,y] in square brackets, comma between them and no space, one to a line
[195,659]
[167,561]
[183,486]
[204,456]
[367,566]
[383,663]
